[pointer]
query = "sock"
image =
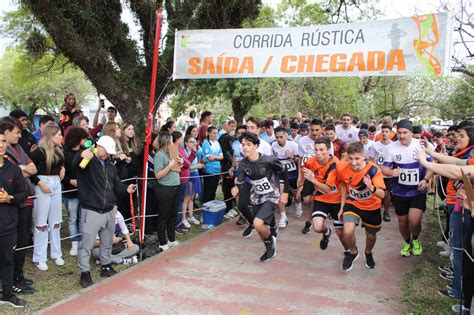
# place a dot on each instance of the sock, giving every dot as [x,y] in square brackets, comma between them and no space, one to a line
[408,241]
[307,224]
[283,215]
[415,237]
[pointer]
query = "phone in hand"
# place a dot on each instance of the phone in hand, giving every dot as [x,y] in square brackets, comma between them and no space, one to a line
[102,103]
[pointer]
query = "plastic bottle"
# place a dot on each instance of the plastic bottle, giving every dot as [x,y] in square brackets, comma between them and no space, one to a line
[85,162]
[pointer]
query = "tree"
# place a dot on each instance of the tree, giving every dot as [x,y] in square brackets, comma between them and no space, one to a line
[32,84]
[92,35]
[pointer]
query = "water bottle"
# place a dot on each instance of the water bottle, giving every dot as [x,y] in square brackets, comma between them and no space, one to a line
[85,161]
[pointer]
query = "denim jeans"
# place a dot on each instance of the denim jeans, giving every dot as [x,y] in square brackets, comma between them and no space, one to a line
[47,213]
[455,240]
[73,218]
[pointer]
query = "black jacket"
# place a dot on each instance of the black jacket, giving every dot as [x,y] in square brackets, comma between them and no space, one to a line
[98,185]
[69,155]
[12,181]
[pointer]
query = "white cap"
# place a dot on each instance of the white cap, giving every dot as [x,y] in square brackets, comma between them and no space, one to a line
[108,144]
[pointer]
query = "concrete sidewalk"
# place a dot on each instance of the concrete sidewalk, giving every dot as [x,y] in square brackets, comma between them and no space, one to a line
[220,273]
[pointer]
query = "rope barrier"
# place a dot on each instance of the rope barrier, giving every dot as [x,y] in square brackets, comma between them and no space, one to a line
[129,219]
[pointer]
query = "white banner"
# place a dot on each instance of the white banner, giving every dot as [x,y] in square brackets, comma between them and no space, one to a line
[406,46]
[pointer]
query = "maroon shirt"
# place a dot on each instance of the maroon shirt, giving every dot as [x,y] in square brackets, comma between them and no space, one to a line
[202,133]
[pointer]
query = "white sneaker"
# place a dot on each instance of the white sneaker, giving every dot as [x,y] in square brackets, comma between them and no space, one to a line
[164,247]
[446,253]
[283,222]
[443,245]
[186,224]
[74,248]
[43,266]
[299,210]
[232,213]
[130,261]
[194,221]
[59,261]
[173,244]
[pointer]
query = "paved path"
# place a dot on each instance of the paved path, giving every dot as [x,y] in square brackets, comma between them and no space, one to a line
[220,273]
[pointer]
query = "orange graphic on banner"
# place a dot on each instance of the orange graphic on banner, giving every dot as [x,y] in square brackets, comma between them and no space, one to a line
[428,38]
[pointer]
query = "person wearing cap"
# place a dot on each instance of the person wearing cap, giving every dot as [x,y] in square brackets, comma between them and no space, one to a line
[409,185]
[27,140]
[98,185]
[364,138]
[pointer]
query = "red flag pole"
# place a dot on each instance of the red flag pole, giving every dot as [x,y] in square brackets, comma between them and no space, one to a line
[149,131]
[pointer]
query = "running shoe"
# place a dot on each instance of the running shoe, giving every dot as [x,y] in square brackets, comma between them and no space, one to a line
[130,261]
[417,249]
[194,221]
[86,280]
[186,224]
[283,222]
[406,250]
[443,245]
[298,210]
[369,261]
[386,216]
[461,309]
[241,221]
[23,281]
[13,300]
[307,228]
[348,262]
[248,231]
[446,276]
[447,268]
[274,232]
[447,293]
[270,251]
[22,289]
[173,244]
[107,271]
[446,253]
[323,244]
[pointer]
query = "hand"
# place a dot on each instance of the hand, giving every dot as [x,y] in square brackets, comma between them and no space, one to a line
[103,120]
[423,185]
[211,158]
[115,239]
[234,191]
[122,156]
[308,174]
[44,187]
[128,160]
[231,172]
[131,188]
[4,196]
[284,198]
[73,182]
[421,156]
[179,160]
[62,173]
[87,154]
[129,244]
[396,172]
[368,182]
[33,147]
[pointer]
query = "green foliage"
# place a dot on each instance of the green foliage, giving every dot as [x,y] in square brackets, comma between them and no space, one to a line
[32,84]
[460,104]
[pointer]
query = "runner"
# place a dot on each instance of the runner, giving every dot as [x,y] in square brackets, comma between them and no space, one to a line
[306,151]
[364,183]
[339,146]
[376,155]
[321,171]
[287,153]
[409,186]
[264,174]
[346,131]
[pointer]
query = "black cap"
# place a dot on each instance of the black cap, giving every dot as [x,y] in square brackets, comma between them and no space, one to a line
[405,123]
[303,127]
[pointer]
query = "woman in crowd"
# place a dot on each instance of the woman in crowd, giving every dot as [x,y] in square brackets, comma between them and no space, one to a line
[129,144]
[75,139]
[167,190]
[82,122]
[193,186]
[212,155]
[49,160]
[170,126]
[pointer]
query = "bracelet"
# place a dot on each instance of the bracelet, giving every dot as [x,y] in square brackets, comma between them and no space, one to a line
[425,179]
[374,190]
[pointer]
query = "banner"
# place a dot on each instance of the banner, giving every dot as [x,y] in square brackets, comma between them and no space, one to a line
[418,45]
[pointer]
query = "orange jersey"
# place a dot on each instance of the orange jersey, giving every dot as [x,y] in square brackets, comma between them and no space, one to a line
[453,184]
[378,137]
[326,174]
[357,192]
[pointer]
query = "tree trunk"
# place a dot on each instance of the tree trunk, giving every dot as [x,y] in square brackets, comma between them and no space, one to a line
[239,110]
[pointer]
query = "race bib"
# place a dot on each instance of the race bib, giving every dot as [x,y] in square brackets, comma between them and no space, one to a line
[262,186]
[359,195]
[380,159]
[409,176]
[289,164]
[305,158]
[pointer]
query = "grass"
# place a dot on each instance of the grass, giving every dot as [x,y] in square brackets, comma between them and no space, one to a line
[422,282]
[60,282]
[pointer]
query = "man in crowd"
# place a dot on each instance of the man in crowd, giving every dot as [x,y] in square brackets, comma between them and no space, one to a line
[268,133]
[364,139]
[206,120]
[111,113]
[27,140]
[98,185]
[13,192]
[346,131]
[339,146]
[44,121]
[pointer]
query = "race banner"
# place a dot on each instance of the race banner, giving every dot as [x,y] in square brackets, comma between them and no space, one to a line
[420,45]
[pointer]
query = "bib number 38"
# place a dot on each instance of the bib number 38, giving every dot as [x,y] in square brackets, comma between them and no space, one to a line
[262,186]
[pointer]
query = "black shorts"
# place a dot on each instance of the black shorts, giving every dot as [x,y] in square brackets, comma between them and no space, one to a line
[388,183]
[308,189]
[265,212]
[403,204]
[371,219]
[293,183]
[323,210]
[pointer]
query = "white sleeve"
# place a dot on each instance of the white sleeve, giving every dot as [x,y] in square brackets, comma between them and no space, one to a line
[121,223]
